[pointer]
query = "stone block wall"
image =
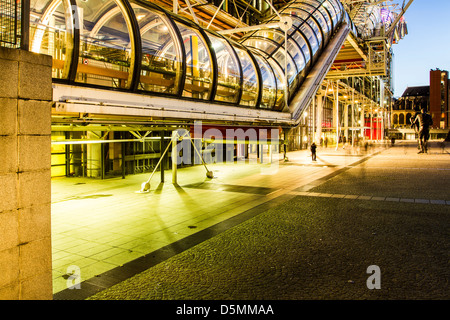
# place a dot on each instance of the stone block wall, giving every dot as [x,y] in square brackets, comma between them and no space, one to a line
[25,178]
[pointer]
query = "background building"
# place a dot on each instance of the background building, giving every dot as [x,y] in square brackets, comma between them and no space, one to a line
[434,98]
[412,100]
[439,98]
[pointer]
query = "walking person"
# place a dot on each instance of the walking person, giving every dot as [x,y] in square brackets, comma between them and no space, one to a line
[415,125]
[424,121]
[313,151]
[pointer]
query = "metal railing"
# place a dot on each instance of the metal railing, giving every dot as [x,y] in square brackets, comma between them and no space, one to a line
[14,23]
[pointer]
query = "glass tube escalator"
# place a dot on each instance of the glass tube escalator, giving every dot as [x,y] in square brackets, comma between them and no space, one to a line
[136,46]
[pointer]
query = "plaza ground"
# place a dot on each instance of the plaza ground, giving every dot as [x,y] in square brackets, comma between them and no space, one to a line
[287,230]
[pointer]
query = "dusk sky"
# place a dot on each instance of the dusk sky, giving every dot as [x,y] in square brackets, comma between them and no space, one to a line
[427,45]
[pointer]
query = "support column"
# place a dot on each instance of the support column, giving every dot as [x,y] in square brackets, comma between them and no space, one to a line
[353,120]
[363,119]
[174,156]
[313,117]
[270,152]
[346,122]
[336,110]
[319,113]
[94,156]
[123,163]
[261,152]
[162,148]
[371,122]
[25,178]
[257,151]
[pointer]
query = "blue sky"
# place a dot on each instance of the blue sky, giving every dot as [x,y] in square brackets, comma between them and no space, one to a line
[427,45]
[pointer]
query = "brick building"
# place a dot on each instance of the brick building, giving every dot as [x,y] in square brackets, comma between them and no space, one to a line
[439,98]
[435,98]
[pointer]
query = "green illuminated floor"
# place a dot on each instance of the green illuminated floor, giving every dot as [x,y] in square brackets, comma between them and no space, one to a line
[98,225]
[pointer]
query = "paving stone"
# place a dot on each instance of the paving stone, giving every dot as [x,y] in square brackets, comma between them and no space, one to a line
[303,246]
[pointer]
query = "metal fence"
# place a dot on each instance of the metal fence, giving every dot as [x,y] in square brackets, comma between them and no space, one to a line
[13,24]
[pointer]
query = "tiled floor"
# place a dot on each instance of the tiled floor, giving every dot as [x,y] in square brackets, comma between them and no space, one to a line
[98,225]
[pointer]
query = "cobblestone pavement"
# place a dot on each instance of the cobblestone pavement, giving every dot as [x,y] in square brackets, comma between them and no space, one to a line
[391,211]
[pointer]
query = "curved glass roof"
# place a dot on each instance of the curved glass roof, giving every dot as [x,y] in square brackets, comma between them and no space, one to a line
[137,46]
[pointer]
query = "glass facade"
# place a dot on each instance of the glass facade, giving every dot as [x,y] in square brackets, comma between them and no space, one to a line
[269,93]
[229,70]
[251,80]
[106,47]
[161,61]
[199,70]
[52,33]
[137,46]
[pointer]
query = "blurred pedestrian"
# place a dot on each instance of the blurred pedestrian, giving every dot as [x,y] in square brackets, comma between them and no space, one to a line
[416,127]
[424,121]
[313,151]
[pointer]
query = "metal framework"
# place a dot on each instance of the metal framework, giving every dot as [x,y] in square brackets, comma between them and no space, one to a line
[140,67]
[154,51]
[12,23]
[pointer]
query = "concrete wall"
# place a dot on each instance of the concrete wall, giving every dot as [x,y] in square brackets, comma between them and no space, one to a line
[25,197]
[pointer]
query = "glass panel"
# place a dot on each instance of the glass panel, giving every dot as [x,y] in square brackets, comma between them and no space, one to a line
[250,88]
[297,55]
[316,29]
[322,23]
[296,12]
[269,83]
[299,10]
[337,8]
[199,73]
[279,57]
[300,40]
[271,34]
[331,11]
[310,35]
[280,101]
[161,68]
[312,3]
[265,46]
[296,22]
[106,50]
[51,33]
[312,7]
[229,76]
[327,18]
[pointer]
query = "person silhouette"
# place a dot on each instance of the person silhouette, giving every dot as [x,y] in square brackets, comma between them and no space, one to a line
[415,125]
[423,121]
[313,151]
